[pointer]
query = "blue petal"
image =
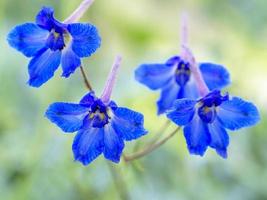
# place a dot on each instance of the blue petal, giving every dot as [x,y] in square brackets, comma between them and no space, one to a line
[28,38]
[69,61]
[216,76]
[154,76]
[237,113]
[182,112]
[69,117]
[197,136]
[43,66]
[113,144]
[88,99]
[219,138]
[129,124]
[88,144]
[168,95]
[173,60]
[85,39]
[45,18]
[189,90]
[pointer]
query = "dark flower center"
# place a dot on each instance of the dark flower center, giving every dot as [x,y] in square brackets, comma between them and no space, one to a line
[55,41]
[182,70]
[58,34]
[208,105]
[182,73]
[99,114]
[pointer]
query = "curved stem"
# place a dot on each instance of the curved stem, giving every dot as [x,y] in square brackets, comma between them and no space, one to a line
[79,12]
[160,132]
[150,148]
[85,79]
[156,137]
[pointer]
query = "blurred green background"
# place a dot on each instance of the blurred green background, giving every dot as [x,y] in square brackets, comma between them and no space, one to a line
[36,158]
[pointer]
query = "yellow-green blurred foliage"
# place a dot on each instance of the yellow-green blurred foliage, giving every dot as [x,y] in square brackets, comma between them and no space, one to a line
[35,157]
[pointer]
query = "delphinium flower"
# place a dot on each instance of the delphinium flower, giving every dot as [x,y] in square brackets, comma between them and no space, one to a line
[174,77]
[102,125]
[50,42]
[206,119]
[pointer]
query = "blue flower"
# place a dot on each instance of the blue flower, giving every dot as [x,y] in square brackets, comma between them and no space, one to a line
[102,128]
[175,80]
[205,120]
[50,42]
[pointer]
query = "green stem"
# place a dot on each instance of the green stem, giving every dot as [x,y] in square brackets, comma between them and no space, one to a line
[160,132]
[85,79]
[150,148]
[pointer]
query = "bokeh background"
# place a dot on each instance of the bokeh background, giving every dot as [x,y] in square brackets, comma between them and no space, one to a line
[35,157]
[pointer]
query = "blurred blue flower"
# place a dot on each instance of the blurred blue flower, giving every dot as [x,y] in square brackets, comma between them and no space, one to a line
[205,120]
[175,81]
[50,43]
[101,128]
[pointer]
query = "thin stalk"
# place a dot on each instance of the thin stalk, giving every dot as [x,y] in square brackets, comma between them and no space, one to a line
[79,12]
[85,79]
[150,148]
[156,137]
[160,132]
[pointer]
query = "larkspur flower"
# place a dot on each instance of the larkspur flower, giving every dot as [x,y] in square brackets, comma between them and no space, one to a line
[174,79]
[205,120]
[50,42]
[102,126]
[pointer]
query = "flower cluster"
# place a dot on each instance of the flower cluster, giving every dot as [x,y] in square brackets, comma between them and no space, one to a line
[191,97]
[101,126]
[191,94]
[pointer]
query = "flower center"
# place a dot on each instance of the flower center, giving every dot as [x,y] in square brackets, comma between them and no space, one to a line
[207,110]
[55,40]
[99,114]
[182,73]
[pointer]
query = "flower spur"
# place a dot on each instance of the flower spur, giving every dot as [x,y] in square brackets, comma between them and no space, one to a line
[51,43]
[102,126]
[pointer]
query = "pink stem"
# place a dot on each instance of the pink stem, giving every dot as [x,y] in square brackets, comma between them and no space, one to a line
[184,35]
[184,29]
[105,97]
[186,54]
[201,85]
[79,12]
